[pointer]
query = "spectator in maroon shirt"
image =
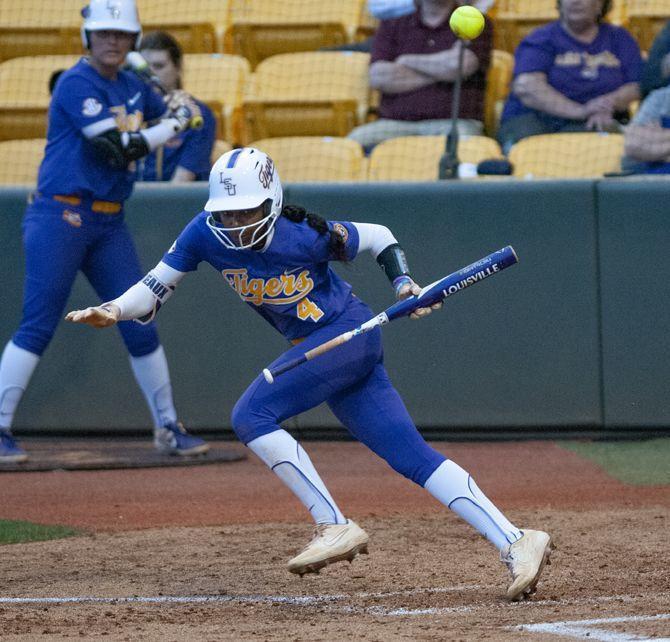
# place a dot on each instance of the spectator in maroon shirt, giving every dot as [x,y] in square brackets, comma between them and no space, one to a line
[414,64]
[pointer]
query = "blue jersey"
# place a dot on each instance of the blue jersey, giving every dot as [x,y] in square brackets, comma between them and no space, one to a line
[289,283]
[84,105]
[191,149]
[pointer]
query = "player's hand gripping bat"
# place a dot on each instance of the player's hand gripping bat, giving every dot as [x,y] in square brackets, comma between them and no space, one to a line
[176,100]
[431,294]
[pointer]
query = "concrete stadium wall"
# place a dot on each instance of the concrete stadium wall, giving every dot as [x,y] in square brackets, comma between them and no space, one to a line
[572,337]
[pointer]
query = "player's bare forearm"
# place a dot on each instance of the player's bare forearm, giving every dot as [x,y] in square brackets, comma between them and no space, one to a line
[101,316]
[392,78]
[647,142]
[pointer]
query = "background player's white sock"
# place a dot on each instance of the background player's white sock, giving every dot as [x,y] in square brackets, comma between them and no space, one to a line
[16,367]
[455,488]
[286,457]
[152,375]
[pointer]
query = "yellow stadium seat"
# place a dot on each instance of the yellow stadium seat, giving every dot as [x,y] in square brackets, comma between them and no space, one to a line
[24,94]
[263,28]
[416,158]
[198,25]
[367,24]
[36,27]
[307,94]
[315,158]
[646,18]
[498,80]
[515,19]
[219,80]
[578,155]
[220,148]
[20,160]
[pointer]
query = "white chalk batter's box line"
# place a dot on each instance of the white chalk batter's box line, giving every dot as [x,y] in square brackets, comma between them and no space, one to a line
[584,629]
[334,602]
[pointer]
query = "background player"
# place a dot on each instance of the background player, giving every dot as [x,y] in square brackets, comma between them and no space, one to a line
[75,221]
[186,156]
[277,259]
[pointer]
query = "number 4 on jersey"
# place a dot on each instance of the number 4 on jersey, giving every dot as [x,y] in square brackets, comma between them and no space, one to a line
[307,309]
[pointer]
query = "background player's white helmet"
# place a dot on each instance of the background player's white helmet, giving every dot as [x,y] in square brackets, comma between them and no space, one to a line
[112,15]
[243,179]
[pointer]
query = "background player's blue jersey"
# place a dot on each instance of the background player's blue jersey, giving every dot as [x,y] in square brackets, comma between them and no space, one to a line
[84,105]
[289,283]
[190,149]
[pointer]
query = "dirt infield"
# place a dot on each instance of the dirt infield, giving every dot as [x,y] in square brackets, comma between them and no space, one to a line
[209,563]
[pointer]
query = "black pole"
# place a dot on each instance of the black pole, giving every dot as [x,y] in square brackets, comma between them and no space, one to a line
[449,161]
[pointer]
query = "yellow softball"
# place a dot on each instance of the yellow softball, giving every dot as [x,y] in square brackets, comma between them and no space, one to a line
[467,22]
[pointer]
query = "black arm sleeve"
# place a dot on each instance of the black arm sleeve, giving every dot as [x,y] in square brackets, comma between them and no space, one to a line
[119,149]
[392,260]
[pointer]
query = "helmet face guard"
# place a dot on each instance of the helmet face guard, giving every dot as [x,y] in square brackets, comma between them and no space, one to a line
[244,179]
[111,15]
[259,230]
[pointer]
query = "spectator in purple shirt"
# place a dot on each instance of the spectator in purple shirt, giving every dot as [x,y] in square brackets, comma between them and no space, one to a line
[575,74]
[414,64]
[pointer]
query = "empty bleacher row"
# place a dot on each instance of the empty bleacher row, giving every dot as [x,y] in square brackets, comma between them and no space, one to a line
[408,158]
[263,28]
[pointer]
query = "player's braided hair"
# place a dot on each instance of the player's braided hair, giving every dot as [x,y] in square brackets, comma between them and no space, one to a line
[298,214]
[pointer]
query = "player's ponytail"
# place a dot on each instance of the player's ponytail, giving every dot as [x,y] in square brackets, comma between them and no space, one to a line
[298,214]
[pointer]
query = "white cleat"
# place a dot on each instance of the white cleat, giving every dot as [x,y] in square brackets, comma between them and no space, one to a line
[331,543]
[525,560]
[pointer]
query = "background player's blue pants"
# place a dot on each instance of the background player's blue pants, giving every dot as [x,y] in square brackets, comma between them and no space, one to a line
[56,250]
[353,381]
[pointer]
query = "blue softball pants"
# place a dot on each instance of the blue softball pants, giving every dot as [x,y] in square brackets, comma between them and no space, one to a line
[59,240]
[352,380]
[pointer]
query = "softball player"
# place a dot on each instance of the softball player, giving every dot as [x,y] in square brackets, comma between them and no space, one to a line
[277,259]
[75,220]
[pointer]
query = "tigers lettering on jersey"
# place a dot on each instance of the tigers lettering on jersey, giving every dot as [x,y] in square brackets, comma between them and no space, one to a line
[285,289]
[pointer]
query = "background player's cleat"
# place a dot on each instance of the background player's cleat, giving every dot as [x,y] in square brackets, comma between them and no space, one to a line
[172,439]
[331,543]
[525,560]
[10,451]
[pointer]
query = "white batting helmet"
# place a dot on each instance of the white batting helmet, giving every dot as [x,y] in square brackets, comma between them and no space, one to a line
[111,15]
[243,179]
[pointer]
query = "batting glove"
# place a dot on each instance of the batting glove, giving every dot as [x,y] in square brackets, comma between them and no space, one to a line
[183,108]
[406,287]
[101,316]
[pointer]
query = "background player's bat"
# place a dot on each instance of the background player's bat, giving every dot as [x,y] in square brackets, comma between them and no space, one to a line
[437,291]
[140,66]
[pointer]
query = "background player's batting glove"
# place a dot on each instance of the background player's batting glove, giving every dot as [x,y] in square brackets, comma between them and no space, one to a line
[101,316]
[182,108]
[405,287]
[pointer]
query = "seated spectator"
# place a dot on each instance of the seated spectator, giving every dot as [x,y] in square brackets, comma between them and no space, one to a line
[414,64]
[186,157]
[656,72]
[575,74]
[647,138]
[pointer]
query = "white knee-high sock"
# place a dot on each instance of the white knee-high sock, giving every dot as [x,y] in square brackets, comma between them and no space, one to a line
[455,488]
[16,368]
[286,457]
[152,375]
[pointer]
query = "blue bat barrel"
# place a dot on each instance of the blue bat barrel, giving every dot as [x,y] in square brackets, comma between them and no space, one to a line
[455,282]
